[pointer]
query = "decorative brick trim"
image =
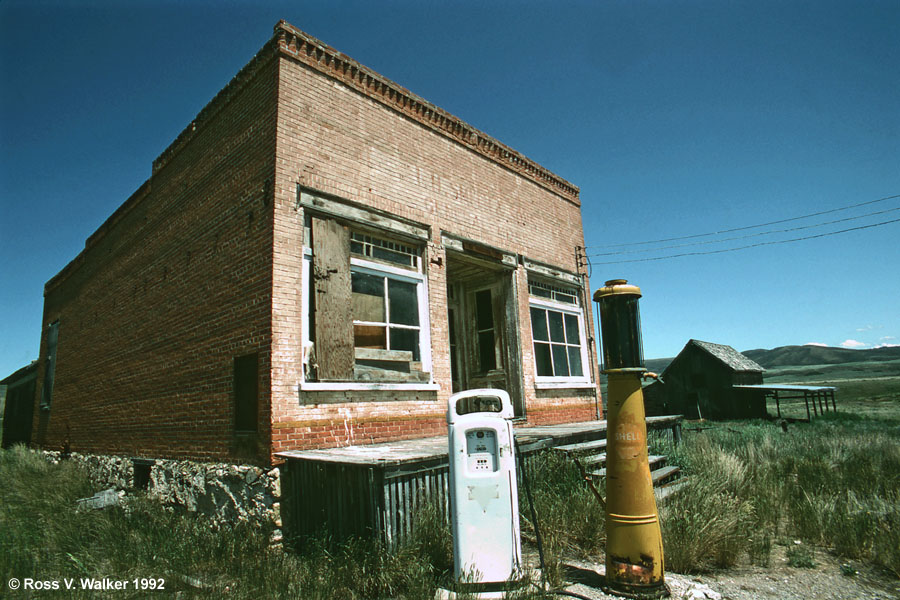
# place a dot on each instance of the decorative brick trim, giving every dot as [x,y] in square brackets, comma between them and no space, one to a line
[317,55]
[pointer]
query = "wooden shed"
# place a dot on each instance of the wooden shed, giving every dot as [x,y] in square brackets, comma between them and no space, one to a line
[700,383]
[17,405]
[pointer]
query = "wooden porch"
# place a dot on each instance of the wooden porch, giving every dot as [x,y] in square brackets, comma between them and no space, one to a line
[375,490]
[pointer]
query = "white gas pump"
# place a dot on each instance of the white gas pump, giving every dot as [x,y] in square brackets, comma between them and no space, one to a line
[484,505]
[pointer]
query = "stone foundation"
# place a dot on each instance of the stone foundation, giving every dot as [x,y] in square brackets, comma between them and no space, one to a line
[225,493]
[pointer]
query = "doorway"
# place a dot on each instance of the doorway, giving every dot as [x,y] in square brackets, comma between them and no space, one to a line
[483,327]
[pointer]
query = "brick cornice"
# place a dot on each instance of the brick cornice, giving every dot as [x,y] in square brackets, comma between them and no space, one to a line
[323,58]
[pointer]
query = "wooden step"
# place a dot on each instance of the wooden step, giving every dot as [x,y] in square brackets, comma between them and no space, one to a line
[664,474]
[656,462]
[667,489]
[583,446]
[593,459]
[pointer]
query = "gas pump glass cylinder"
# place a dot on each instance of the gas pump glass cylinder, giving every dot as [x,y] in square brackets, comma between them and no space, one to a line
[620,325]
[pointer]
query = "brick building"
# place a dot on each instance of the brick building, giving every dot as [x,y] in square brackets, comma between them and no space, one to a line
[319,259]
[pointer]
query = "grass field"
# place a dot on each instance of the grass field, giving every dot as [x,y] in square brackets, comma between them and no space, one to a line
[870,388]
[833,483]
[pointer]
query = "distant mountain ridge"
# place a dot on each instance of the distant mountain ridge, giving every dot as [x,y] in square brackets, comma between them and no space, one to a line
[798,356]
[790,356]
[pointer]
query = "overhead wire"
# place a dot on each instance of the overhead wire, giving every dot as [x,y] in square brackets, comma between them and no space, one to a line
[743,237]
[746,227]
[757,245]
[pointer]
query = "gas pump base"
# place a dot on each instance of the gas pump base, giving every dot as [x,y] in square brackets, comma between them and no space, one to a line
[638,592]
[511,589]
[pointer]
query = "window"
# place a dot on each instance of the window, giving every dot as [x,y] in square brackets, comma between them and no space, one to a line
[375,287]
[557,331]
[484,328]
[246,392]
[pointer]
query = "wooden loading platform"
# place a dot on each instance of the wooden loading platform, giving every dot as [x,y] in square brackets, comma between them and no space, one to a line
[375,490]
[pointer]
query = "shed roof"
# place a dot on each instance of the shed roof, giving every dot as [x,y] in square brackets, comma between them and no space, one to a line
[727,355]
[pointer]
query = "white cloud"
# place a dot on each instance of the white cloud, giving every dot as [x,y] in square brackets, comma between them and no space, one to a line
[853,344]
[816,344]
[866,328]
[886,338]
[887,346]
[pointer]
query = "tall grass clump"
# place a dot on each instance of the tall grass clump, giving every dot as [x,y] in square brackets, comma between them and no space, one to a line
[709,522]
[833,482]
[570,519]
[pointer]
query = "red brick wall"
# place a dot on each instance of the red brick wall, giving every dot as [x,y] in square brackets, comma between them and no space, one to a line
[337,139]
[204,263]
[173,286]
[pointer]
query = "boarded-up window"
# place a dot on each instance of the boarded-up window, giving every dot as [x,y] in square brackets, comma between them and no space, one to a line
[50,364]
[246,392]
[367,306]
[331,284]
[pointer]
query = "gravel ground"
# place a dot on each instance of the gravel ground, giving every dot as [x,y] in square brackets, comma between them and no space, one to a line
[779,581]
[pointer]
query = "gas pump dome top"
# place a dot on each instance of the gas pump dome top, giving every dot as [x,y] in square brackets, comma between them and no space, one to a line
[615,287]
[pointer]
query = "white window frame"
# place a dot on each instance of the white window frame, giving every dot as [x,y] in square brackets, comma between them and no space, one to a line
[382,269]
[568,382]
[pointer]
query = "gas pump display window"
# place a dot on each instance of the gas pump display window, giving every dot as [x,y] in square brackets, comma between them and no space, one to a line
[475,404]
[481,451]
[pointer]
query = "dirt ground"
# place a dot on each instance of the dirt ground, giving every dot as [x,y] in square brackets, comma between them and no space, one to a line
[826,581]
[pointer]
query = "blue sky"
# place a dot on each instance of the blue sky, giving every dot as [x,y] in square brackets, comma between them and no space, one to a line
[675,118]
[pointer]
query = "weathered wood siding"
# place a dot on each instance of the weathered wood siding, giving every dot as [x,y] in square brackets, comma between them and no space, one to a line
[360,501]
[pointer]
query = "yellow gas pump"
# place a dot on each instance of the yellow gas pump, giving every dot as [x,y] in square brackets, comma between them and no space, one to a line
[634,551]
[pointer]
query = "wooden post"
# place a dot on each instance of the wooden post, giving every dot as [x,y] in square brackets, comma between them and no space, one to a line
[806,399]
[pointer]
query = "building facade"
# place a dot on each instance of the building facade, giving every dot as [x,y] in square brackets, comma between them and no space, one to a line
[320,258]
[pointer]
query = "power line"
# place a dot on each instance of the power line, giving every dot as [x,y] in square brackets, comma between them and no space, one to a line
[699,235]
[751,235]
[757,245]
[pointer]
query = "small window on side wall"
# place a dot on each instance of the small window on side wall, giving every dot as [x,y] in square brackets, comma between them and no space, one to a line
[246,392]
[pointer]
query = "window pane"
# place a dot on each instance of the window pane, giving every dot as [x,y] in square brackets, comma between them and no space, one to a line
[572,335]
[575,361]
[560,361]
[539,325]
[557,334]
[368,297]
[404,303]
[369,336]
[542,360]
[486,356]
[405,339]
[392,256]
[484,314]
[541,291]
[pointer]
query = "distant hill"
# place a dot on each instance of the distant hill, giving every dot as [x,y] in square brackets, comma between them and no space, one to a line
[658,365]
[797,356]
[790,356]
